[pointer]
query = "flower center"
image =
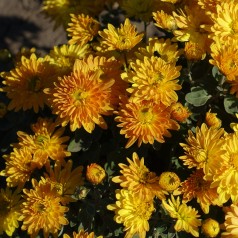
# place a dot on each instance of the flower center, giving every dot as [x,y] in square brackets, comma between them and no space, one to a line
[200,156]
[39,207]
[80,96]
[146,116]
[34,84]
[41,139]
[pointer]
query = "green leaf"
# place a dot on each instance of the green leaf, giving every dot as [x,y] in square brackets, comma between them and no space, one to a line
[197,97]
[231,104]
[75,146]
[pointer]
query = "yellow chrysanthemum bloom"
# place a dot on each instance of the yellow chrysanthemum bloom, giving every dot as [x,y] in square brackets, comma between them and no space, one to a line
[153,79]
[225,21]
[64,56]
[210,228]
[144,121]
[186,216]
[161,48]
[82,234]
[196,187]
[164,20]
[64,179]
[19,166]
[230,224]
[225,57]
[194,51]
[123,38]
[82,29]
[46,142]
[211,119]
[133,212]
[136,177]
[95,174]
[24,84]
[42,210]
[204,149]
[81,98]
[169,181]
[179,112]
[9,211]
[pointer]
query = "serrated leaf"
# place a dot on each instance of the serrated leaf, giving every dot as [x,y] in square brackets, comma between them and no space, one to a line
[197,97]
[231,104]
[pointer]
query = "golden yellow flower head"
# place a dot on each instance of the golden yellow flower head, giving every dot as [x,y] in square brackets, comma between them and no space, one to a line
[210,228]
[82,29]
[145,121]
[10,203]
[169,181]
[211,119]
[3,109]
[194,51]
[42,207]
[82,234]
[179,112]
[123,38]
[133,212]
[95,174]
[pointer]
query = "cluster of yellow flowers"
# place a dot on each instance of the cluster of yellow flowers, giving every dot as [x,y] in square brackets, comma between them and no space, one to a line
[115,72]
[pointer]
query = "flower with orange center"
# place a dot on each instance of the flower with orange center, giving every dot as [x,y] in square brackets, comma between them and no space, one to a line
[153,79]
[204,149]
[169,181]
[95,174]
[123,38]
[82,234]
[225,57]
[46,142]
[210,228]
[211,119]
[136,177]
[81,98]
[82,29]
[25,83]
[144,121]
[187,216]
[179,112]
[42,210]
[196,187]
[10,203]
[133,212]
[19,166]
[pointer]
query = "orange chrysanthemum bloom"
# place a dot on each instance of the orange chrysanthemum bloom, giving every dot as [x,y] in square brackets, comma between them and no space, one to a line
[225,21]
[153,79]
[19,166]
[179,112]
[64,179]
[82,29]
[46,142]
[211,119]
[82,234]
[10,203]
[225,57]
[144,121]
[204,149]
[161,48]
[95,174]
[133,212]
[230,224]
[81,98]
[42,210]
[136,177]
[24,84]
[123,38]
[187,217]
[196,187]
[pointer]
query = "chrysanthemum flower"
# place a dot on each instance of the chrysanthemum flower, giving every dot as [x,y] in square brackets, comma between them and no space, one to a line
[204,149]
[187,217]
[210,228]
[230,224]
[24,84]
[82,29]
[19,166]
[225,21]
[211,119]
[46,142]
[179,112]
[42,210]
[161,48]
[123,38]
[64,56]
[169,181]
[95,174]
[196,187]
[82,234]
[132,212]
[64,179]
[153,79]
[144,121]
[81,98]
[194,51]
[136,177]
[9,211]
[225,57]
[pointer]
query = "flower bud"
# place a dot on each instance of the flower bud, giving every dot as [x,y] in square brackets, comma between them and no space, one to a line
[95,174]
[210,228]
[169,181]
